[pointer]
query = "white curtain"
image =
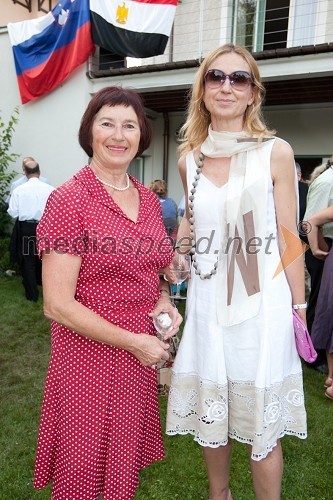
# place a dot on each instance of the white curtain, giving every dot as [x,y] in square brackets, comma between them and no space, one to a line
[304,22]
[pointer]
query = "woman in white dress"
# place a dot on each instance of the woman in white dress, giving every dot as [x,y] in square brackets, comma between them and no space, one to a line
[237,374]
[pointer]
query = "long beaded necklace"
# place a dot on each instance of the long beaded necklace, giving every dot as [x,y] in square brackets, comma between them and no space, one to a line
[201,275]
[115,187]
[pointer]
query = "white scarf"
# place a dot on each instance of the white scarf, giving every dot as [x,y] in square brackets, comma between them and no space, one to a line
[241,272]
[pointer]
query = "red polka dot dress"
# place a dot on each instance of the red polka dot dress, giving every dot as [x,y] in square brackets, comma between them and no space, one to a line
[100,421]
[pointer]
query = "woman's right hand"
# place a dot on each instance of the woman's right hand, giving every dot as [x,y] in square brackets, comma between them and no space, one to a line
[148,349]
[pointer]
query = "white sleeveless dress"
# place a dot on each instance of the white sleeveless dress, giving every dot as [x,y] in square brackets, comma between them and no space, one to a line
[243,381]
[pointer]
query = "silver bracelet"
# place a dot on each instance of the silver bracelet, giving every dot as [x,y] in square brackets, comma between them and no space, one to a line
[300,306]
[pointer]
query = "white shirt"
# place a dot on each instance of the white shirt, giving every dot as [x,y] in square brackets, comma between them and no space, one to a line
[28,200]
[19,182]
[320,196]
[23,180]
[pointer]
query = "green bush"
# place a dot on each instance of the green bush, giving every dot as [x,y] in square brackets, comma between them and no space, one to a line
[4,255]
[6,176]
[5,262]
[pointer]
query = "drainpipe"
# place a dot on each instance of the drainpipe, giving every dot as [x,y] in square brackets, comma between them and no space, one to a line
[165,147]
[166,123]
[201,25]
[171,45]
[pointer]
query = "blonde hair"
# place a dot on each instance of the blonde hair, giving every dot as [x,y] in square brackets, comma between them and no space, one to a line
[320,169]
[194,130]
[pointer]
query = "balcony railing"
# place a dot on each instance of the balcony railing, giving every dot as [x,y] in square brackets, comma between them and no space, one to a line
[42,5]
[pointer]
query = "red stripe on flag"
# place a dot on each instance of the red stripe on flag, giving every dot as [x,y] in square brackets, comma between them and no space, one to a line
[45,77]
[156,2]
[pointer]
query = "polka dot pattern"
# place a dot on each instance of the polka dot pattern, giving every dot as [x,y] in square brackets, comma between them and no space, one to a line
[100,421]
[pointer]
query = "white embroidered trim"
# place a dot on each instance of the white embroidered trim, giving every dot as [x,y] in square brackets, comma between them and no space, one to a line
[259,417]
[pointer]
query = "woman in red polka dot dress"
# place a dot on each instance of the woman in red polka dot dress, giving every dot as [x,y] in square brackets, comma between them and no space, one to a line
[103,244]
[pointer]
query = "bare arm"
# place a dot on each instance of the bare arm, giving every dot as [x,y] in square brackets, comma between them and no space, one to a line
[60,274]
[322,217]
[315,237]
[183,233]
[183,243]
[283,174]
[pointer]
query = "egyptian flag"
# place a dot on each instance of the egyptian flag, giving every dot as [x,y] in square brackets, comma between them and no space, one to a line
[47,49]
[135,28]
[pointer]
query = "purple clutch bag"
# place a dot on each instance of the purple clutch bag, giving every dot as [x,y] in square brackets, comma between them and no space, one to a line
[303,340]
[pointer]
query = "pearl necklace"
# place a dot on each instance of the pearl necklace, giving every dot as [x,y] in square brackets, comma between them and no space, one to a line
[115,187]
[192,221]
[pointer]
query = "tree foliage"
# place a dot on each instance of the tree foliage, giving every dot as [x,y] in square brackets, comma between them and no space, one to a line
[6,159]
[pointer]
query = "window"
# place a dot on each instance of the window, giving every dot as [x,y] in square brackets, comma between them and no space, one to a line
[246,13]
[303,22]
[108,60]
[274,24]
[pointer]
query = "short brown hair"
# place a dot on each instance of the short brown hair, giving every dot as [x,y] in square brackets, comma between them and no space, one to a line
[114,96]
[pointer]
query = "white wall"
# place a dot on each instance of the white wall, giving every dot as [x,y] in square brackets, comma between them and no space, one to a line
[308,130]
[174,182]
[48,127]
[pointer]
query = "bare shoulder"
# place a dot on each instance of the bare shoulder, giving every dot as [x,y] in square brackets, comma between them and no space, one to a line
[182,159]
[282,150]
[282,160]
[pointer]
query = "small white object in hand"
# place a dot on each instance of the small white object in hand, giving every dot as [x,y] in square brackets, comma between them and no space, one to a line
[164,320]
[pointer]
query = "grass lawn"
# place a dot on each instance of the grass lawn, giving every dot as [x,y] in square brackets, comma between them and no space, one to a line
[24,351]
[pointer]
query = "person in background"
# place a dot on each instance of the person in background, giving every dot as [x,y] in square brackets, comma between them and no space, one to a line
[23,179]
[322,328]
[103,243]
[169,207]
[302,192]
[26,204]
[237,373]
[320,196]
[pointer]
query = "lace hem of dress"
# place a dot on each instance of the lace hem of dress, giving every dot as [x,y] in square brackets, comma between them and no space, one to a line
[214,413]
[224,442]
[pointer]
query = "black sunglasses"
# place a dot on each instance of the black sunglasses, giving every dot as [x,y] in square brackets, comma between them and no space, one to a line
[239,80]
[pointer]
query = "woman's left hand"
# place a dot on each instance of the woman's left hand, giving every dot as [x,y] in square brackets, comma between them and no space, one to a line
[164,305]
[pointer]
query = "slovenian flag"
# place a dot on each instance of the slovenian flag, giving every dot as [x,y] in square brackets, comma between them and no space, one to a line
[135,28]
[46,50]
